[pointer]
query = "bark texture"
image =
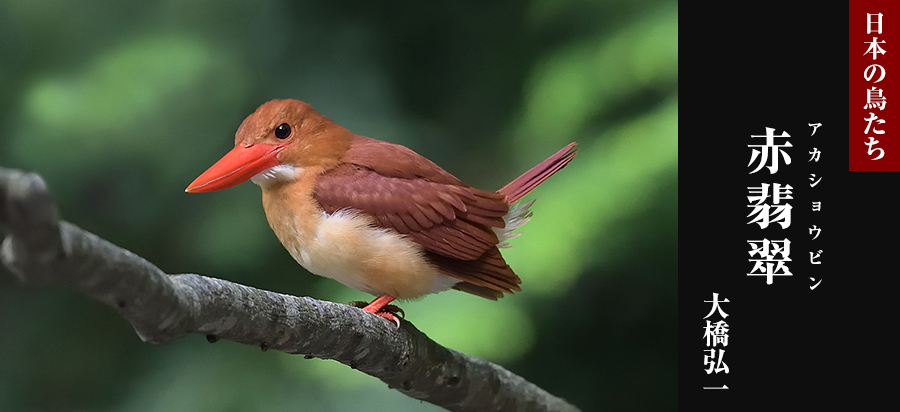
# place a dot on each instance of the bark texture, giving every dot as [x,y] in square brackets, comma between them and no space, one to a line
[41,250]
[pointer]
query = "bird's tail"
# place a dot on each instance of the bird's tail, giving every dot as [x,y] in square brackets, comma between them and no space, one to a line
[529,180]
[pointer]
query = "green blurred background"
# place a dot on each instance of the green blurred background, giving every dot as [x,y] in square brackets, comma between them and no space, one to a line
[119,105]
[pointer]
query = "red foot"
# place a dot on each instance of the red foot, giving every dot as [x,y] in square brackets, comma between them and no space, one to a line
[389,316]
[377,307]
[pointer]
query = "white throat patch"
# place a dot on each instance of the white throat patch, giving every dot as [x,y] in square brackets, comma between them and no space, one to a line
[276,174]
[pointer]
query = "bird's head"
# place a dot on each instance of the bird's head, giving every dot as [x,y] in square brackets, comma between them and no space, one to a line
[273,144]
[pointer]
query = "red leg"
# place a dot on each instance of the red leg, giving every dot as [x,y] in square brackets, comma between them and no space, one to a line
[377,304]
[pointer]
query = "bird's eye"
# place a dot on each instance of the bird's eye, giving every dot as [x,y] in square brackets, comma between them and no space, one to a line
[283,131]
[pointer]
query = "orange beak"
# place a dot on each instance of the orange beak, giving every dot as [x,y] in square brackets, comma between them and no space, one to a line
[237,166]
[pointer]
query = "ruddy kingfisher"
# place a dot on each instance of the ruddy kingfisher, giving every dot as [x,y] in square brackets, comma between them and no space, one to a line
[374,215]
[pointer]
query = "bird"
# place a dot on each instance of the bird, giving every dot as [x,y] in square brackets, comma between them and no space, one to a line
[373,215]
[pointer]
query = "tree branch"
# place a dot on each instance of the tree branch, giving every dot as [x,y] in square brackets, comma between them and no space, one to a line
[42,250]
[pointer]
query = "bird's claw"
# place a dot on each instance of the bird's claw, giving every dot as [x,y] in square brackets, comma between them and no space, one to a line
[390,316]
[388,312]
[392,309]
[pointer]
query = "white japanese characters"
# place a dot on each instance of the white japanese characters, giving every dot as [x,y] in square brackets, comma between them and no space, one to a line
[769,258]
[815,231]
[875,97]
[716,335]
[763,152]
[764,213]
[768,205]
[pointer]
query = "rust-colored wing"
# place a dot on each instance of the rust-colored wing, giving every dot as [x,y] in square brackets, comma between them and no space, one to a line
[488,276]
[454,221]
[405,192]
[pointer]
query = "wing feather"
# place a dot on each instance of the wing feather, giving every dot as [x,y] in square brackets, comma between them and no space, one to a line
[407,193]
[437,216]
